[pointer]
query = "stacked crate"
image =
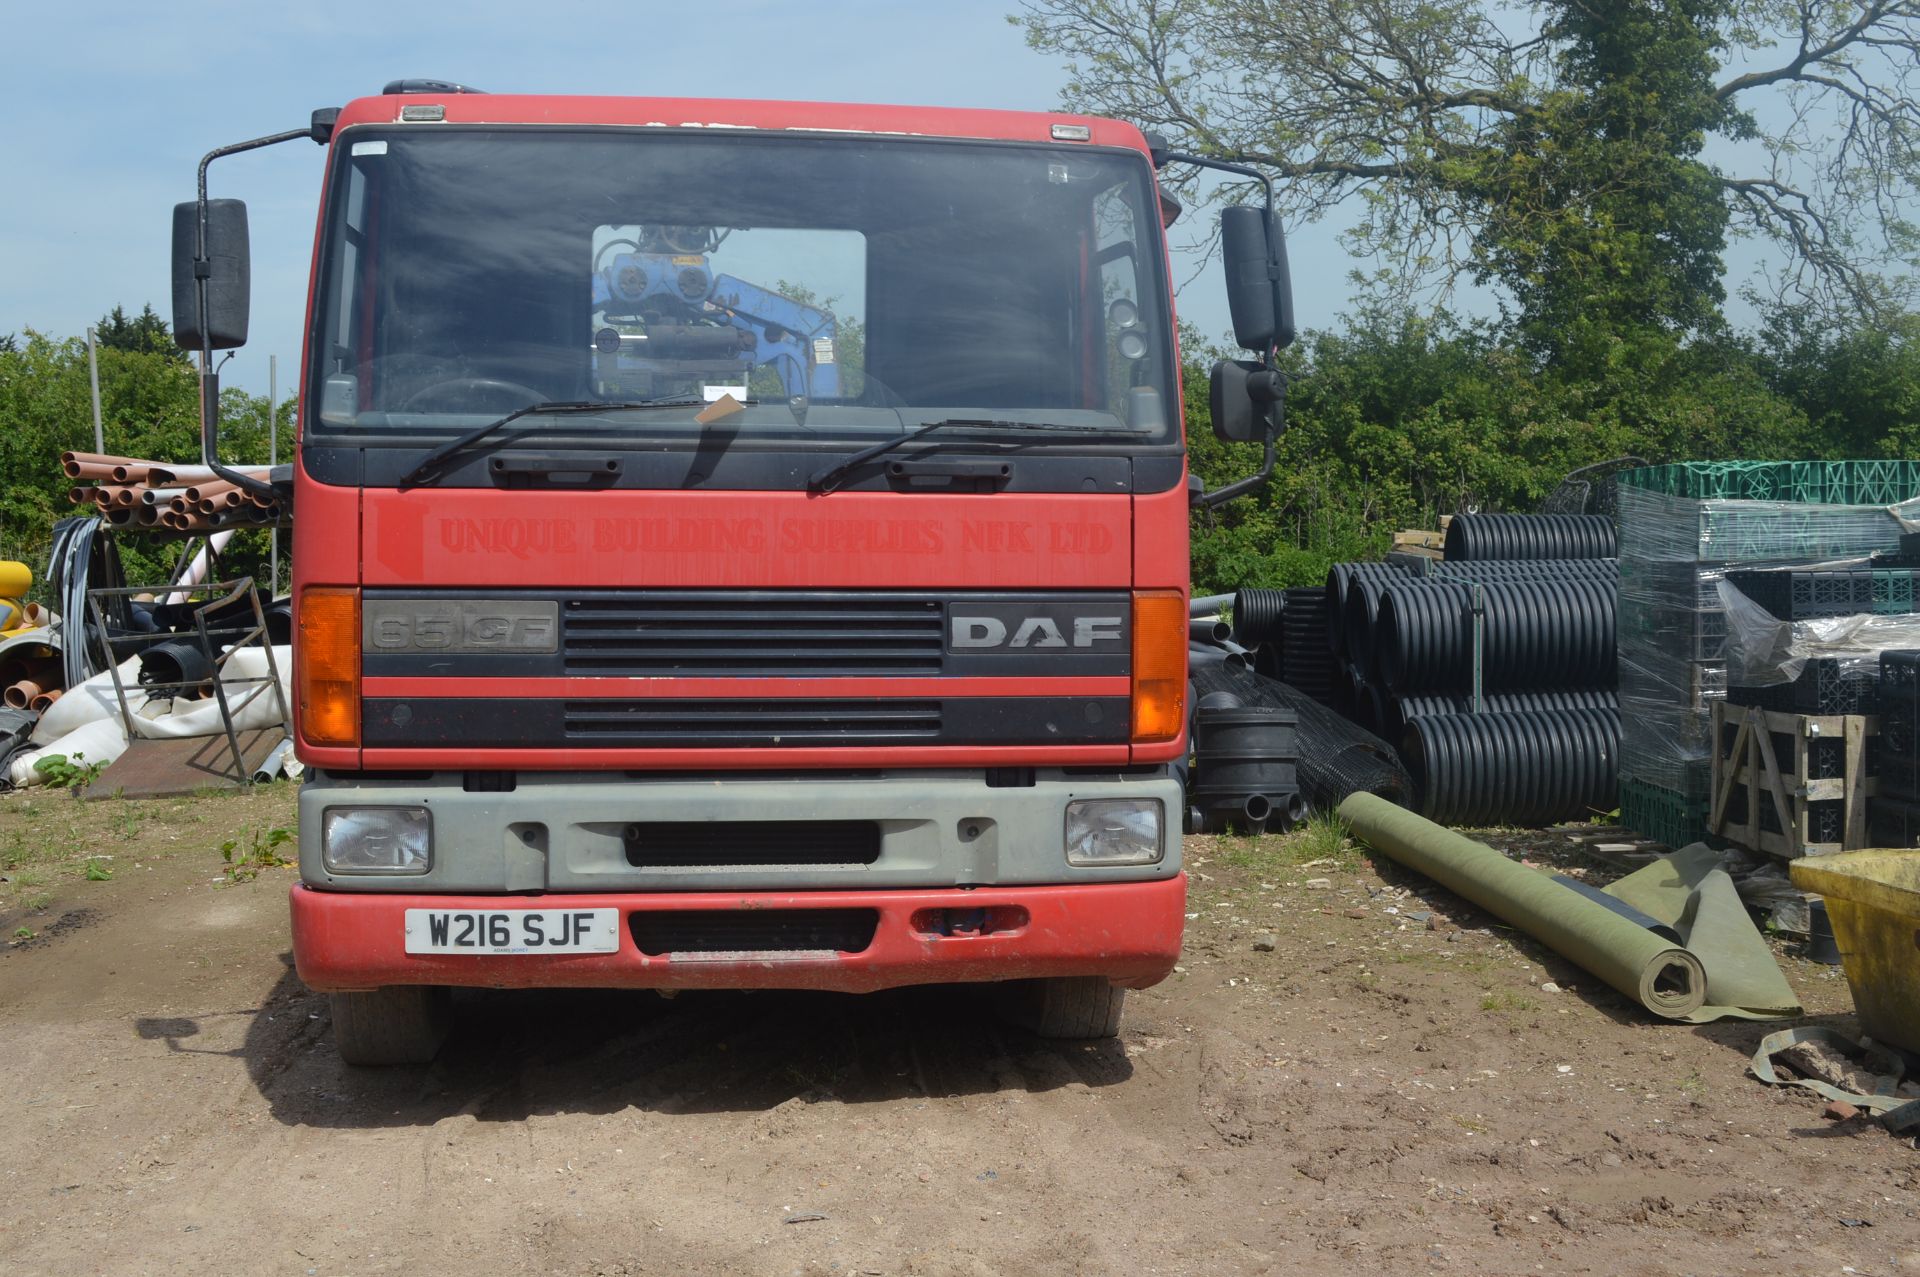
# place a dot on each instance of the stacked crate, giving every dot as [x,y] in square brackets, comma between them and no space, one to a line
[1893,817]
[1683,528]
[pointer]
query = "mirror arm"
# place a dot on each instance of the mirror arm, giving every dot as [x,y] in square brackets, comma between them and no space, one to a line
[1239,487]
[202,270]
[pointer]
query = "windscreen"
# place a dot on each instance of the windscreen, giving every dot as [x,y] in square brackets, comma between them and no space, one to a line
[841,288]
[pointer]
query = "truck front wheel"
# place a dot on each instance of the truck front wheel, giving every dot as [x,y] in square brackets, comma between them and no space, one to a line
[1067,1007]
[404,1024]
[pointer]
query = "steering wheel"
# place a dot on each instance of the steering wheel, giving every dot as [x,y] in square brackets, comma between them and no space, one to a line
[521,396]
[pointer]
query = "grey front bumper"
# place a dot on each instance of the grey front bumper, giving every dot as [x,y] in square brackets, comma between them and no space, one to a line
[563,831]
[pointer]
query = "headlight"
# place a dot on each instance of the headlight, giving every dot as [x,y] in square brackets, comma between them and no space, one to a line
[1114,831]
[377,840]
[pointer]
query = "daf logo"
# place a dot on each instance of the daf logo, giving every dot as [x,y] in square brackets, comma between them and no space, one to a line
[975,632]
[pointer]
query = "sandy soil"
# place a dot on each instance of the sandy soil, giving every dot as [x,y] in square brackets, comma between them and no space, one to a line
[1368,1092]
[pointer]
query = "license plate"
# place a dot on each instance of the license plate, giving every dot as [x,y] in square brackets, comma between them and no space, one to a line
[513,930]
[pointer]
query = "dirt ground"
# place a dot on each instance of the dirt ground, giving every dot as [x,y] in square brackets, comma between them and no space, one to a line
[1371,1090]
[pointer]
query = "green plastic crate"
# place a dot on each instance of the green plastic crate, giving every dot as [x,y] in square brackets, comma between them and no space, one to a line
[1865,482]
[1672,817]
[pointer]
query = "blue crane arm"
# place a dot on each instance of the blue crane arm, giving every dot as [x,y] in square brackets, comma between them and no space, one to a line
[798,339]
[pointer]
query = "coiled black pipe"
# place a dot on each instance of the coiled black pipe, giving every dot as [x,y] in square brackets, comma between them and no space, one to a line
[1535,634]
[1340,577]
[1306,660]
[1531,536]
[1528,768]
[1257,616]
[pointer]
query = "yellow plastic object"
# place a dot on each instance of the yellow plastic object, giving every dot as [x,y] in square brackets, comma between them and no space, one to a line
[13,614]
[1873,899]
[15,579]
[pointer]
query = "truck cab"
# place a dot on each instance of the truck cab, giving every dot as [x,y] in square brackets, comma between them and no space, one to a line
[736,545]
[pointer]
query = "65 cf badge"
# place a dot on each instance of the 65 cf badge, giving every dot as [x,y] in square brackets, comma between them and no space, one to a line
[461,625]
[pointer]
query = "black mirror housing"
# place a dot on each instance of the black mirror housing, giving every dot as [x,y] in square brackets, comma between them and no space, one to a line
[1261,304]
[1244,398]
[223,322]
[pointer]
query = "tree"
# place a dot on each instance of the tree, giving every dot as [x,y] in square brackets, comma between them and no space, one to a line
[1556,150]
[149,408]
[145,333]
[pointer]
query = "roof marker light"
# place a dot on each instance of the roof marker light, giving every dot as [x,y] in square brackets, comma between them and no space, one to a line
[1072,133]
[422,114]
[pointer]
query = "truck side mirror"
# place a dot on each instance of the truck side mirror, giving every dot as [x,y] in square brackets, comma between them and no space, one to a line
[222,321]
[1261,303]
[1246,399]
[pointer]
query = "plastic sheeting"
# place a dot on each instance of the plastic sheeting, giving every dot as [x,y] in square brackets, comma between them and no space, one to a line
[1681,530]
[1764,651]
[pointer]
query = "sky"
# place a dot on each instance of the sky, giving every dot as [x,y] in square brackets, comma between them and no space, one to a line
[131,95]
[128,96]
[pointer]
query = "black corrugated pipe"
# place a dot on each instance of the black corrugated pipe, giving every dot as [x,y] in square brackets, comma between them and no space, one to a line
[1528,569]
[1536,634]
[1340,578]
[1363,612]
[1257,616]
[1531,536]
[1305,656]
[1528,768]
[1400,711]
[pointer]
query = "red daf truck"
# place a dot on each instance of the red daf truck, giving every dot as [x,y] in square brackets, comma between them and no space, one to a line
[736,545]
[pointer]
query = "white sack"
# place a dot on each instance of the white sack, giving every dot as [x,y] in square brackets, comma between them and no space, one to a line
[100,741]
[90,702]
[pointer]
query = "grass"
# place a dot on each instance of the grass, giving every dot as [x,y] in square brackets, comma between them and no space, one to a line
[54,849]
[1503,1001]
[1453,959]
[1324,838]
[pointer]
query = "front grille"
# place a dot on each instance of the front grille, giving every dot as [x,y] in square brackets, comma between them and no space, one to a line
[753,635]
[723,723]
[754,930]
[728,843]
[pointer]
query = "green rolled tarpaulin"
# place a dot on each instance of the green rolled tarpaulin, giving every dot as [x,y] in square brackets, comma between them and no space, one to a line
[1667,979]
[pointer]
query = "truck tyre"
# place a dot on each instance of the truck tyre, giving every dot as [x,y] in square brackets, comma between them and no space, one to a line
[404,1024]
[1067,1007]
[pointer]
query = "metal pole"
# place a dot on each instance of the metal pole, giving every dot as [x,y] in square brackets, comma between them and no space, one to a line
[93,377]
[1479,647]
[273,459]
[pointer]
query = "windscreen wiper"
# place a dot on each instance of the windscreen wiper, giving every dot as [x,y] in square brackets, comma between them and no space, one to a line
[829,479]
[431,464]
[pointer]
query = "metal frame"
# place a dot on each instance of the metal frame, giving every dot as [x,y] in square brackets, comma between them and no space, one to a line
[220,594]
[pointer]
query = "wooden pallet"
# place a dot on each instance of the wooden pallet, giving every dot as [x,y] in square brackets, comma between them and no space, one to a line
[1750,762]
[1614,846]
[1426,545]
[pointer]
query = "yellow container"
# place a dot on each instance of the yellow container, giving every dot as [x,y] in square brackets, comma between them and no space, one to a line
[1873,899]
